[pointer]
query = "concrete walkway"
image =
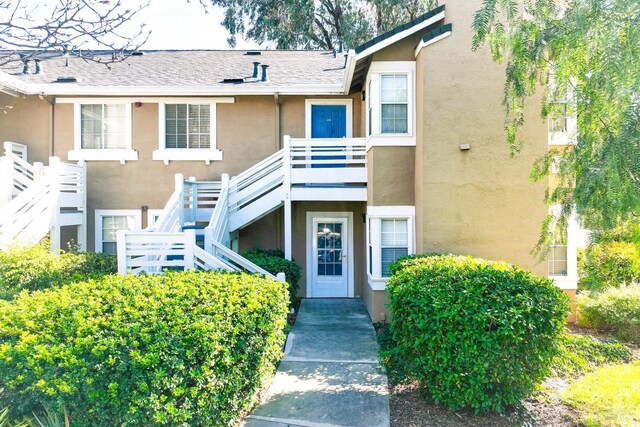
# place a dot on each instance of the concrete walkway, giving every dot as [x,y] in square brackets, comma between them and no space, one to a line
[330,375]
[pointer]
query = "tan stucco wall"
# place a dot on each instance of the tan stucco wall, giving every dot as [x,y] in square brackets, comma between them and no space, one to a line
[376,303]
[390,176]
[478,202]
[26,120]
[246,134]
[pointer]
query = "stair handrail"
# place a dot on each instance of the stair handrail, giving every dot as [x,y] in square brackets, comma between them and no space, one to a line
[255,169]
[29,210]
[218,225]
[170,219]
[15,173]
[219,250]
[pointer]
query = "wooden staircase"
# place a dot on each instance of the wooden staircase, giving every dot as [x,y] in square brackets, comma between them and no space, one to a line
[36,200]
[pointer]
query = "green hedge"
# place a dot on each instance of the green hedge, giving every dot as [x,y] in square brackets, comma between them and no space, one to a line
[609,264]
[581,354]
[35,267]
[615,311]
[274,262]
[474,333]
[183,348]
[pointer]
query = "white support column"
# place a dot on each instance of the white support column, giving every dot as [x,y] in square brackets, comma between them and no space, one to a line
[121,247]
[190,242]
[54,222]
[179,183]
[6,180]
[82,228]
[287,199]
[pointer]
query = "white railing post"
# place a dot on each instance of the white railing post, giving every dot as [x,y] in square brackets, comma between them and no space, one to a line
[54,224]
[7,147]
[287,198]
[6,180]
[82,228]
[38,170]
[121,248]
[193,199]
[189,243]
[179,180]
[280,277]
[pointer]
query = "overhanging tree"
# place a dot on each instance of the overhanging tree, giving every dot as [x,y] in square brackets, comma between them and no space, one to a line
[589,52]
[29,28]
[316,24]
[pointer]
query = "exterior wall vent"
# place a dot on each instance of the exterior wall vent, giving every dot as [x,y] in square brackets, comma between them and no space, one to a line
[69,79]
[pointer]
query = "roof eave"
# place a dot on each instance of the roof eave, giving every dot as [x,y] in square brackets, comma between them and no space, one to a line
[67,90]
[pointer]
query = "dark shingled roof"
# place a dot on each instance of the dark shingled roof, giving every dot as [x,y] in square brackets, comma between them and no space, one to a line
[438,31]
[399,29]
[192,68]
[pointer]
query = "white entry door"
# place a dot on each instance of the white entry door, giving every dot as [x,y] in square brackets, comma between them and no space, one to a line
[329,255]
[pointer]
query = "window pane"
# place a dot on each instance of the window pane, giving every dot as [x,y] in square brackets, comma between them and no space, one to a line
[558,260]
[394,118]
[110,225]
[388,255]
[91,126]
[394,232]
[393,88]
[176,126]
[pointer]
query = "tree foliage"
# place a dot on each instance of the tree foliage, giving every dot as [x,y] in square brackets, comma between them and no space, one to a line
[586,51]
[69,26]
[309,24]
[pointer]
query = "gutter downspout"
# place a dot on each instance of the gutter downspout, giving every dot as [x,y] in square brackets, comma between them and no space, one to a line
[276,100]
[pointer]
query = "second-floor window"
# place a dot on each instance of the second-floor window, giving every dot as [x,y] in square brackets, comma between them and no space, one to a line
[187,126]
[394,103]
[103,126]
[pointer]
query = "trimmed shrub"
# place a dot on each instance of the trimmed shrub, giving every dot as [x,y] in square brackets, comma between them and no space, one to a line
[274,262]
[609,264]
[474,333]
[581,354]
[34,268]
[180,349]
[615,311]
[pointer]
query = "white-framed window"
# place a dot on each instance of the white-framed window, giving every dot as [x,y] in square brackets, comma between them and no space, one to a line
[562,122]
[557,260]
[390,235]
[102,131]
[394,103]
[390,103]
[108,222]
[187,131]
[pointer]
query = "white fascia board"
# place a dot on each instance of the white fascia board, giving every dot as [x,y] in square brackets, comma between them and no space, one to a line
[223,100]
[65,89]
[350,69]
[12,84]
[424,44]
[397,37]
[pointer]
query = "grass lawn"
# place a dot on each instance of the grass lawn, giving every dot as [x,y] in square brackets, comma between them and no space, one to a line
[607,397]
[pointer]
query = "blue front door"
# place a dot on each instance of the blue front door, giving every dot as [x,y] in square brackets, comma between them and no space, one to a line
[328,121]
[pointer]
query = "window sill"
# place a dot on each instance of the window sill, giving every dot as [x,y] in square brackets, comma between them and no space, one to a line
[391,140]
[561,138]
[565,282]
[206,155]
[119,155]
[377,283]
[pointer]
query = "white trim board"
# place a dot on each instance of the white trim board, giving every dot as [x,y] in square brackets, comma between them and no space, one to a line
[350,250]
[150,100]
[399,36]
[424,44]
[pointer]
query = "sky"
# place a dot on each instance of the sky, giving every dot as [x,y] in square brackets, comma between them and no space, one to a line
[182,24]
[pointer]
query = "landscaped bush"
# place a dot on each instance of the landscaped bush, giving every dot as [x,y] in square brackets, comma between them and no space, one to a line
[474,333]
[608,397]
[183,348]
[35,267]
[581,354]
[274,262]
[615,311]
[609,264]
